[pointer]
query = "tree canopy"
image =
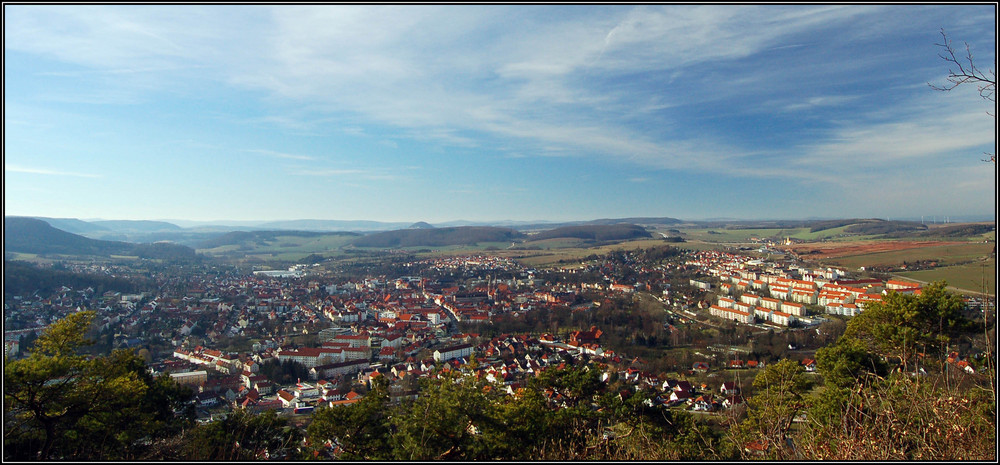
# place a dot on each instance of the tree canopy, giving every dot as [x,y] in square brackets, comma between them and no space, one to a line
[59,404]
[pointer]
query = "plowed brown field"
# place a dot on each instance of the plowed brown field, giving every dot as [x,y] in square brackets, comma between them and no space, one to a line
[817,250]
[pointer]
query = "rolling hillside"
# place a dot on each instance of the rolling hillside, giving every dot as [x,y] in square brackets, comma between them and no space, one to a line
[137,225]
[30,235]
[596,232]
[254,239]
[438,237]
[72,225]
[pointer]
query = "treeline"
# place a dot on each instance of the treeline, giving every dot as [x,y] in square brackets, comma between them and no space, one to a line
[438,237]
[875,227]
[613,232]
[23,278]
[958,231]
[261,237]
[870,226]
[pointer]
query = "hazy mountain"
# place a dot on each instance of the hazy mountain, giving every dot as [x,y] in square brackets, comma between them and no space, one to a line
[140,226]
[420,225]
[30,235]
[72,225]
[332,225]
[641,220]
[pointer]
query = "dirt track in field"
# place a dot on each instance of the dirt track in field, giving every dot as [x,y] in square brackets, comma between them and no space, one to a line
[843,249]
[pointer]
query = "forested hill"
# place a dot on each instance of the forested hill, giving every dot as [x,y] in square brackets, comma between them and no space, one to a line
[23,278]
[438,237]
[664,221]
[29,235]
[261,237]
[137,225]
[614,232]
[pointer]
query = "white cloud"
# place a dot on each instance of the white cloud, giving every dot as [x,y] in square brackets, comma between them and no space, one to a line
[327,172]
[288,156]
[811,103]
[936,125]
[47,172]
[557,81]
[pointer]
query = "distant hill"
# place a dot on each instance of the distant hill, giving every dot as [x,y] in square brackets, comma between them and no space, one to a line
[596,232]
[330,225]
[140,226]
[420,225]
[30,235]
[817,226]
[72,225]
[641,220]
[245,238]
[438,237]
[957,230]
[664,221]
[875,226]
[856,226]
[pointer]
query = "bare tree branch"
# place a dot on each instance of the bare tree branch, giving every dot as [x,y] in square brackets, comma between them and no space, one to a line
[985,81]
[968,73]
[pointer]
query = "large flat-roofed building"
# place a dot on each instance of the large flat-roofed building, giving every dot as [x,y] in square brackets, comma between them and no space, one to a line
[190,378]
[449,353]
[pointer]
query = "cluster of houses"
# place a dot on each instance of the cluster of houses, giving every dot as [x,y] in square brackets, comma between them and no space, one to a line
[379,327]
[403,315]
[508,361]
[784,295]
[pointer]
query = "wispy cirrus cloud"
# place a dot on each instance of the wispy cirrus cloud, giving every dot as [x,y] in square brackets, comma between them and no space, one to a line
[47,172]
[326,172]
[283,155]
[509,79]
[798,94]
[810,103]
[350,173]
[932,126]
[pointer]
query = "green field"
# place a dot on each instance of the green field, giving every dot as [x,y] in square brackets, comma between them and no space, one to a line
[969,277]
[744,235]
[286,247]
[945,255]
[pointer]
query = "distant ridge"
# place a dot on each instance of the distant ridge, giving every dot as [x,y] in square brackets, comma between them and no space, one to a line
[248,237]
[31,235]
[641,220]
[140,226]
[331,225]
[659,221]
[438,237]
[595,232]
[420,225]
[71,225]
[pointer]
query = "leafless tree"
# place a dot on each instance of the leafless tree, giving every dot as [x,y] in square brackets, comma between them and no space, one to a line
[968,73]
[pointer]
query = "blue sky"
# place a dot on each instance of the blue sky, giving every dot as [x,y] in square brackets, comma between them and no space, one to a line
[486,113]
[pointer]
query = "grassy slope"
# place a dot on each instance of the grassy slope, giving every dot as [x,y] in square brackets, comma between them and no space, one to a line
[290,245]
[744,235]
[969,277]
[943,254]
